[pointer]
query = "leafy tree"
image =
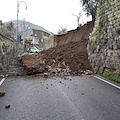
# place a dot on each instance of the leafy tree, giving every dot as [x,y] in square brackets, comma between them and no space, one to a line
[63,30]
[90,7]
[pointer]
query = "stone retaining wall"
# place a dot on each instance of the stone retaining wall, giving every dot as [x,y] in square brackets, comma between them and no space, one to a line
[104,42]
[7,51]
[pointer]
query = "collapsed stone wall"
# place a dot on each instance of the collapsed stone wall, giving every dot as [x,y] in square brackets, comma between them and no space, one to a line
[104,42]
[7,51]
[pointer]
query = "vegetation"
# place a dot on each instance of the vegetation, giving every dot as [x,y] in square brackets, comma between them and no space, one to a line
[8,30]
[29,77]
[118,31]
[90,7]
[112,76]
[63,30]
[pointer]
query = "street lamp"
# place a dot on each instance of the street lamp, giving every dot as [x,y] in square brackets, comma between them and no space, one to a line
[18,5]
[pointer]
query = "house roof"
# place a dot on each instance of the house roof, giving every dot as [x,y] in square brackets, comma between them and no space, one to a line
[36,27]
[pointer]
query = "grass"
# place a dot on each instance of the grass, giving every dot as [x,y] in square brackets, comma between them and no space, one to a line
[112,76]
[29,77]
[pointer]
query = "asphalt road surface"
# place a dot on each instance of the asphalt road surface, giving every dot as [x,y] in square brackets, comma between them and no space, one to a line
[78,98]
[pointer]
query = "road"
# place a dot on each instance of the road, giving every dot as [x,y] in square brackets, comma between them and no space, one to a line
[78,98]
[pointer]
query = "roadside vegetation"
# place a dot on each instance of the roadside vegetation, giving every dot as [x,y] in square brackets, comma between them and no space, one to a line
[8,30]
[111,76]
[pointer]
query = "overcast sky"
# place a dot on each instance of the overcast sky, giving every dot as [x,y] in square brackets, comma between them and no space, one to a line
[50,14]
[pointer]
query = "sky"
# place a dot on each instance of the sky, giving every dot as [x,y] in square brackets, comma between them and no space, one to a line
[50,14]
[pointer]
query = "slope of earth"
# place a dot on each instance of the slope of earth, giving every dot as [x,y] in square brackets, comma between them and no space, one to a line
[75,35]
[64,59]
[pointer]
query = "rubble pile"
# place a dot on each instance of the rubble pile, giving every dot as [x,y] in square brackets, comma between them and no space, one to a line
[40,66]
[64,60]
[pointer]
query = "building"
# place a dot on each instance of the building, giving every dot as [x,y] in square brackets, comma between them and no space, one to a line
[40,37]
[31,31]
[37,35]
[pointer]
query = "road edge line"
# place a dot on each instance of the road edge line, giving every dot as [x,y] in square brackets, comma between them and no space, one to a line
[107,82]
[1,82]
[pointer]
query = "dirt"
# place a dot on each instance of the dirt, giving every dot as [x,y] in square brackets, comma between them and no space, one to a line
[75,35]
[68,57]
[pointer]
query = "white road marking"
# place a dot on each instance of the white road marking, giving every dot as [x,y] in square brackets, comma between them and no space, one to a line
[107,82]
[1,82]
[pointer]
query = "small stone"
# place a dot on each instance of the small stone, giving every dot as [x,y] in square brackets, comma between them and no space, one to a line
[1,75]
[53,51]
[54,61]
[7,106]
[60,82]
[2,93]
[88,72]
[92,88]
[46,75]
[82,93]
[65,78]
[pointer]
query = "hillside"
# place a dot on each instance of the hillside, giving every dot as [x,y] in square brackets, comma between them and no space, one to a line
[28,27]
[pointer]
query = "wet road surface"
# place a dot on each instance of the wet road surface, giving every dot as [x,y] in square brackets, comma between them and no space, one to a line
[78,98]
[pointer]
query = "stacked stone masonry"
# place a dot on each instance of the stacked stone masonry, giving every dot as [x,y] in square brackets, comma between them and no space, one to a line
[7,51]
[104,41]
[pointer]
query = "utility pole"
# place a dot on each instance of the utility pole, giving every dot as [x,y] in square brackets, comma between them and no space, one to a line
[17,42]
[24,35]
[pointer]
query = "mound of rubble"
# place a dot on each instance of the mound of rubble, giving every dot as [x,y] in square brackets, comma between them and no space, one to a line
[64,59]
[71,58]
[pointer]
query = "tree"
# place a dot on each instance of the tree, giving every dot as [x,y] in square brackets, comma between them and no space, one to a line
[78,18]
[90,7]
[11,29]
[63,30]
